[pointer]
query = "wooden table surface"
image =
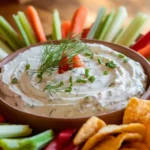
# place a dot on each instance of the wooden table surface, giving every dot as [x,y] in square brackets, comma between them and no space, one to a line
[67,8]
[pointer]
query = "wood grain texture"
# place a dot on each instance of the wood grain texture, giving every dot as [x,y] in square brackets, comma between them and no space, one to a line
[67,7]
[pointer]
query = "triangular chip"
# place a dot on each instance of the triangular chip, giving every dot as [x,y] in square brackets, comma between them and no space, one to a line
[114,143]
[111,129]
[88,129]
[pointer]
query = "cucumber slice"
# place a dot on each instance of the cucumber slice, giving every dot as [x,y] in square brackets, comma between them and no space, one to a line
[56,25]
[23,33]
[106,24]
[116,24]
[132,31]
[27,27]
[12,131]
[94,31]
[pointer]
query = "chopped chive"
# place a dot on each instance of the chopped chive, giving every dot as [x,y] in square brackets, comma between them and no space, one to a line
[68,89]
[81,80]
[87,72]
[99,60]
[111,64]
[121,55]
[61,83]
[92,79]
[105,72]
[90,54]
[14,80]
[27,66]
[125,60]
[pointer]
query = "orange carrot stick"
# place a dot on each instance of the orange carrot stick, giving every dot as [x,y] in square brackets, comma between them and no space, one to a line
[78,20]
[65,28]
[36,23]
[145,51]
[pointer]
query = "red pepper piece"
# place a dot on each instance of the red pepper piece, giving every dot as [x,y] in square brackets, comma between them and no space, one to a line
[71,147]
[76,62]
[2,118]
[85,32]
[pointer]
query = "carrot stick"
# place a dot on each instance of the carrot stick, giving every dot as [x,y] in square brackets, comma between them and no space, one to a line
[65,28]
[36,23]
[145,51]
[78,20]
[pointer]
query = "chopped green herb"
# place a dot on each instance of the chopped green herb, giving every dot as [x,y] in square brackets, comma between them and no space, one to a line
[87,72]
[111,64]
[121,55]
[90,54]
[81,80]
[69,89]
[99,60]
[14,80]
[27,66]
[126,60]
[39,75]
[92,79]
[105,72]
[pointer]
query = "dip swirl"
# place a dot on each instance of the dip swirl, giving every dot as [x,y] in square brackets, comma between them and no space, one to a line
[115,78]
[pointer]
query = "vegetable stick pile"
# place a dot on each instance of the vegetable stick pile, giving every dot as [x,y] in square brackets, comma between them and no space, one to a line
[108,26]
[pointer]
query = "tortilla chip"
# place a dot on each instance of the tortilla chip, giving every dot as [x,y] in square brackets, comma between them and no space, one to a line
[88,129]
[135,145]
[128,149]
[114,143]
[111,129]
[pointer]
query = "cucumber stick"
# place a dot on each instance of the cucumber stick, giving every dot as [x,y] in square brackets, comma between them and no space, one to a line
[94,31]
[12,131]
[11,32]
[27,27]
[36,142]
[132,31]
[21,29]
[56,26]
[106,24]
[116,24]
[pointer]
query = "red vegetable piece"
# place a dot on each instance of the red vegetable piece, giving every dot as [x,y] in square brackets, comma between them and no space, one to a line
[76,62]
[145,51]
[65,28]
[85,32]
[142,42]
[71,147]
[54,145]
[2,118]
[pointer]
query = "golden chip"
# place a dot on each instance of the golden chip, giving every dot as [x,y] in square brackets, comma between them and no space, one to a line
[88,129]
[135,145]
[114,143]
[128,149]
[111,129]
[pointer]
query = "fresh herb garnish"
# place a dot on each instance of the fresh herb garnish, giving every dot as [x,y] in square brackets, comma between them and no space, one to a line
[99,60]
[126,60]
[111,64]
[27,66]
[69,89]
[14,81]
[90,54]
[79,80]
[105,72]
[121,55]
[87,72]
[92,79]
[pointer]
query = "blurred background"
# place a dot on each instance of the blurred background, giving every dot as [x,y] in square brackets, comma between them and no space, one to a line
[66,9]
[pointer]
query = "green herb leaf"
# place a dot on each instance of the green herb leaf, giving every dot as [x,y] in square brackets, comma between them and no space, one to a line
[87,72]
[92,79]
[126,60]
[121,55]
[81,80]
[105,72]
[27,66]
[111,64]
[14,81]
[100,61]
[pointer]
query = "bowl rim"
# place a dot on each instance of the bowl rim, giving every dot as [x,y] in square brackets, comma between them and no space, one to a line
[14,54]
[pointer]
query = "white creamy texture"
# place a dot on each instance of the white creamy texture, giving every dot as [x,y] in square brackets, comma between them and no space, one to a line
[106,93]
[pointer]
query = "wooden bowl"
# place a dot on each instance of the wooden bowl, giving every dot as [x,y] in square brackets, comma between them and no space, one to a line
[40,123]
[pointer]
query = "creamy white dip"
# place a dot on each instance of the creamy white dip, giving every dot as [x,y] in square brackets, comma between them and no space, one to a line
[111,89]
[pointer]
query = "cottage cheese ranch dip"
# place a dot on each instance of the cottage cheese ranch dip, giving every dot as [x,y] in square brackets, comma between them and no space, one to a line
[107,79]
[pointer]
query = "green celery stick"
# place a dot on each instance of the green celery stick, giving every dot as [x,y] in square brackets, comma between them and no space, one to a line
[36,142]
[13,131]
[56,25]
[12,33]
[106,24]
[116,24]
[132,31]
[96,24]
[5,47]
[118,34]
[27,27]
[100,25]
[23,33]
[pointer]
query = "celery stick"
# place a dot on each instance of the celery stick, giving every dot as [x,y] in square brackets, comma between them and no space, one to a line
[23,33]
[106,24]
[36,142]
[116,24]
[3,54]
[118,34]
[56,25]
[97,23]
[12,131]
[27,27]
[132,31]
[100,25]
[5,47]
[12,33]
